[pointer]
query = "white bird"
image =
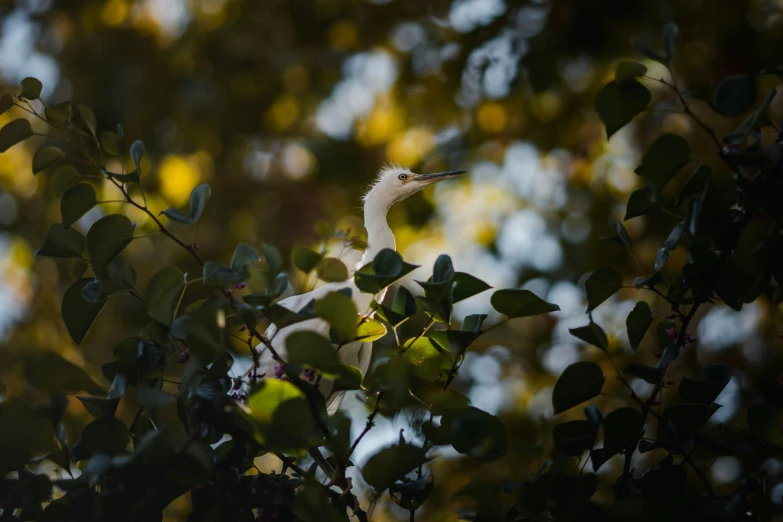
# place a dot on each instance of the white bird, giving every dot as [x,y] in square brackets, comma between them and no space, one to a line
[393,184]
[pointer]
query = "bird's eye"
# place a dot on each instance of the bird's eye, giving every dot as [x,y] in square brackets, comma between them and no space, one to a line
[402,177]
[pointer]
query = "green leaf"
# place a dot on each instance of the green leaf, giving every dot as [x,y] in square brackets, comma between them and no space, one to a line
[391,266]
[78,314]
[452,341]
[202,330]
[6,102]
[61,242]
[60,113]
[176,216]
[715,377]
[520,303]
[591,334]
[387,263]
[199,197]
[106,239]
[665,157]
[62,179]
[243,259]
[49,372]
[269,395]
[331,270]
[76,202]
[622,236]
[575,437]
[637,323]
[314,350]
[100,408]
[660,259]
[88,117]
[645,373]
[218,276]
[111,143]
[136,152]
[273,258]
[78,267]
[107,435]
[31,88]
[696,182]
[339,311]
[765,421]
[476,433]
[281,316]
[627,70]
[14,132]
[45,157]
[164,292]
[618,103]
[305,259]
[443,270]
[735,94]
[465,286]
[580,382]
[640,202]
[601,285]
[622,428]
[391,464]
[370,331]
[349,379]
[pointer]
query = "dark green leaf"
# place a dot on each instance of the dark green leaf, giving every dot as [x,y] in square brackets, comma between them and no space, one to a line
[107,435]
[465,286]
[61,242]
[31,88]
[735,94]
[78,314]
[696,182]
[665,157]
[765,421]
[472,323]
[443,270]
[305,259]
[674,236]
[387,263]
[49,372]
[601,285]
[60,113]
[282,316]
[476,433]
[111,143]
[349,378]
[314,350]
[202,330]
[622,428]
[332,270]
[369,282]
[88,117]
[622,236]
[637,323]
[520,303]
[661,258]
[715,377]
[649,53]
[164,292]
[591,334]
[339,311]
[100,408]
[629,70]
[641,202]
[392,464]
[106,239]
[618,103]
[46,157]
[136,152]
[575,437]
[404,303]
[243,259]
[76,201]
[580,382]
[13,133]
[199,197]
[219,276]
[176,216]
[78,267]
[6,102]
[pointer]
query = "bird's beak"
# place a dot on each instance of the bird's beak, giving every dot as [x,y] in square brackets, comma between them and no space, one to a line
[438,176]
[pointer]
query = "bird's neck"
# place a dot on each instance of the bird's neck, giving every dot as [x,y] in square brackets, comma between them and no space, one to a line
[379,235]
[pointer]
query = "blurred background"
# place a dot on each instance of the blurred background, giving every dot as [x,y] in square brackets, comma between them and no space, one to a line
[288,108]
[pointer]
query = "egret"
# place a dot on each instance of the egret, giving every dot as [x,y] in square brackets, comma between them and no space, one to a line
[393,184]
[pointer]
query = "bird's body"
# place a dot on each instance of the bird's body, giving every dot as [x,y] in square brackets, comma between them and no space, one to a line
[394,184]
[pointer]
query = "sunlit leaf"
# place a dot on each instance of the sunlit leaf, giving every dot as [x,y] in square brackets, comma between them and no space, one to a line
[370,331]
[339,311]
[314,350]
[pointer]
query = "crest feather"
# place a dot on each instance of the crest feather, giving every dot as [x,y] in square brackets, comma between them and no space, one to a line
[384,171]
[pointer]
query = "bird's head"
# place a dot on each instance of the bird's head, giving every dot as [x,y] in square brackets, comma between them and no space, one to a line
[395,183]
